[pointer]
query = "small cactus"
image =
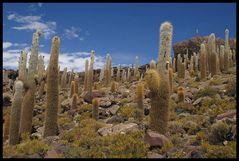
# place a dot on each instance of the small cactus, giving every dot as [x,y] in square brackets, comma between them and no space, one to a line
[95,104]
[181,94]
[74,101]
[140,105]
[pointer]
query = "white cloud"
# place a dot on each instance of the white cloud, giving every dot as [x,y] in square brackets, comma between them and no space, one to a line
[6,45]
[9,44]
[74,60]
[39,4]
[34,23]
[72,32]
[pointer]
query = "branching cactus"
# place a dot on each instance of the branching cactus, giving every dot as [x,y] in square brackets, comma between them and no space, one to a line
[22,66]
[139,113]
[52,90]
[91,73]
[95,104]
[203,61]
[181,94]
[30,86]
[16,114]
[86,75]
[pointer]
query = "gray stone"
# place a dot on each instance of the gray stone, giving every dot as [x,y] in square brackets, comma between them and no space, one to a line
[155,139]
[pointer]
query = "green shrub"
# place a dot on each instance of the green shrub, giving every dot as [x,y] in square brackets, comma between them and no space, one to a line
[207,91]
[231,87]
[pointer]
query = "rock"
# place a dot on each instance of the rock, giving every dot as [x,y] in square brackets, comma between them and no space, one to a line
[217,96]
[115,119]
[193,151]
[36,135]
[113,110]
[154,155]
[228,114]
[95,93]
[66,105]
[125,128]
[105,130]
[52,154]
[105,102]
[197,102]
[32,156]
[184,114]
[174,96]
[155,139]
[51,139]
[213,106]
[7,100]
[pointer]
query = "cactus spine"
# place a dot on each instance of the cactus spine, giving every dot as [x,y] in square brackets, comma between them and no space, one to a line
[95,104]
[86,75]
[30,86]
[203,61]
[16,114]
[181,94]
[52,90]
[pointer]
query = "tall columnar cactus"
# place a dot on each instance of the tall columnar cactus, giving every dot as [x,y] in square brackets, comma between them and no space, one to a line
[221,57]
[152,64]
[129,75]
[159,93]
[16,114]
[203,61]
[72,92]
[42,88]
[91,73]
[230,58]
[139,114]
[86,75]
[179,61]
[102,73]
[118,74]
[108,70]
[213,59]
[196,63]
[123,78]
[30,86]
[22,66]
[41,67]
[77,81]
[71,76]
[113,86]
[95,112]
[181,94]
[52,90]
[136,68]
[170,72]
[7,119]
[182,70]
[174,65]
[191,70]
[74,101]
[64,79]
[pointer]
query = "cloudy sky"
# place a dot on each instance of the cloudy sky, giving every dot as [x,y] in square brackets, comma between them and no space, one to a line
[123,30]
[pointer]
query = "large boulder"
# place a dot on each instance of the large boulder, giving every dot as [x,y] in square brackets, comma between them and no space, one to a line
[155,139]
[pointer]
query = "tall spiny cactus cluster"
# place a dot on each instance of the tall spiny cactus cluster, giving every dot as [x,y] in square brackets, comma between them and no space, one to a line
[41,67]
[30,86]
[118,74]
[203,61]
[22,65]
[64,79]
[86,75]
[136,71]
[52,90]
[77,81]
[158,82]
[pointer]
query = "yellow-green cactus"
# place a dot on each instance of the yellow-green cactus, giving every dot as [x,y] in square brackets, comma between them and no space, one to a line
[86,75]
[95,104]
[181,94]
[140,104]
[203,61]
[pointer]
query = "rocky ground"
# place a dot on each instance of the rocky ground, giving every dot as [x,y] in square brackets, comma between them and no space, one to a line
[203,126]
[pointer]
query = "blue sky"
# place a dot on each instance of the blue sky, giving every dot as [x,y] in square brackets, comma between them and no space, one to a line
[124,30]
